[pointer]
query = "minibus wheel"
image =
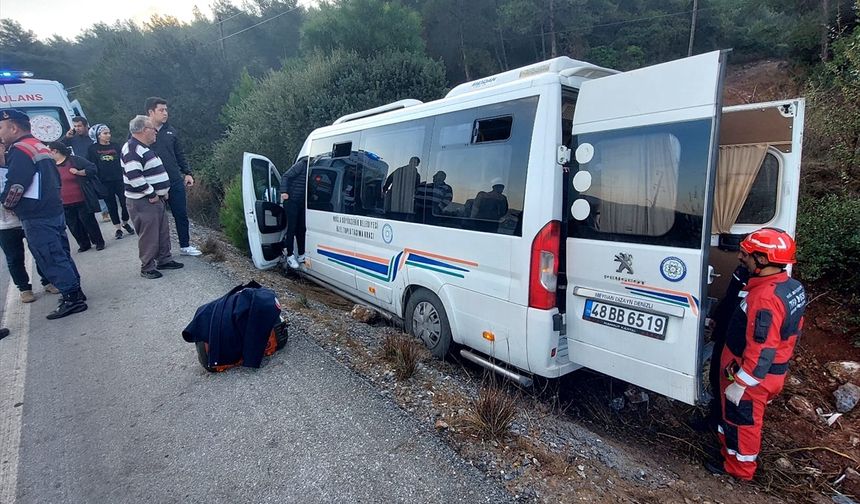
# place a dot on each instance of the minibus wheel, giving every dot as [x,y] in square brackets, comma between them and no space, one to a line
[426,319]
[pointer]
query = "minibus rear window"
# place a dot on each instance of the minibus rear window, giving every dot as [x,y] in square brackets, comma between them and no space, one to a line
[641,185]
[760,206]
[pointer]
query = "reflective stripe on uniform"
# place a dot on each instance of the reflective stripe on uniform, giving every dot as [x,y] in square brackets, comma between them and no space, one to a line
[746,378]
[742,458]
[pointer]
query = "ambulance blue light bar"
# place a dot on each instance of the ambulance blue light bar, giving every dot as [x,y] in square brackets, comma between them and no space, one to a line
[15,74]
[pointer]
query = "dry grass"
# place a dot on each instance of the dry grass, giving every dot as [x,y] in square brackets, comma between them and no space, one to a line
[212,248]
[403,353]
[492,412]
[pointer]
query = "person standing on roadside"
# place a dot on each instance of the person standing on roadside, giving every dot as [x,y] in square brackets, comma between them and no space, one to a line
[80,202]
[293,189]
[168,148]
[147,187]
[78,137]
[106,156]
[760,341]
[32,192]
[12,243]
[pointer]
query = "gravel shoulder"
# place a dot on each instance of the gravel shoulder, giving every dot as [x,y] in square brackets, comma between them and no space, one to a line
[551,452]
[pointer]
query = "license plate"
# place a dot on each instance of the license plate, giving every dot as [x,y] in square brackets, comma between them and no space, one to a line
[626,319]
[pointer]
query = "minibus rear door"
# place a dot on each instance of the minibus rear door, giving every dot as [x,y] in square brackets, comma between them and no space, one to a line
[264,216]
[638,230]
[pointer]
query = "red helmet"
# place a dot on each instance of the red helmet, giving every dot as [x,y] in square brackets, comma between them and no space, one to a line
[774,243]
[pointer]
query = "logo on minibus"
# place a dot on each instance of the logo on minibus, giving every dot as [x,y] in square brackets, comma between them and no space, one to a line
[673,269]
[625,261]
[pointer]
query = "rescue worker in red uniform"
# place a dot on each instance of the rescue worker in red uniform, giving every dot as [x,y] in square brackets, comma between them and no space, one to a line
[760,342]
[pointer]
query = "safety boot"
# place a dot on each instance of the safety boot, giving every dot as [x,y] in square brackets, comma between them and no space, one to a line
[70,303]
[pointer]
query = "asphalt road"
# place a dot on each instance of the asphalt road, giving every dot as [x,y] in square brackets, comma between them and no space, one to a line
[110,405]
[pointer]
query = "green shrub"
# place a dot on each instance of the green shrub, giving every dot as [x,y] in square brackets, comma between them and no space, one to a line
[285,106]
[232,215]
[828,241]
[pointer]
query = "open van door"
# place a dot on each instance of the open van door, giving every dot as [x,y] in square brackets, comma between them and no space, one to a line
[638,234]
[264,216]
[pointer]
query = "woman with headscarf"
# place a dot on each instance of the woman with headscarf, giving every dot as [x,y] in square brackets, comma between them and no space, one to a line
[106,156]
[80,200]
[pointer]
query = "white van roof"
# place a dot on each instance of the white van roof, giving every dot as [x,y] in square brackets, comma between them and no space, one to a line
[563,66]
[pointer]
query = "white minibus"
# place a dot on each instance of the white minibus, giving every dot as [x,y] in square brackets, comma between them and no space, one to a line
[45,101]
[552,217]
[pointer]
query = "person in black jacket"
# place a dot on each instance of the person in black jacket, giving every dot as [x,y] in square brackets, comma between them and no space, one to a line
[32,191]
[77,137]
[172,156]
[293,189]
[80,197]
[106,156]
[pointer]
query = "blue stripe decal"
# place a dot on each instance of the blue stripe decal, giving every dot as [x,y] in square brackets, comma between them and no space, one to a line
[394,265]
[432,262]
[372,266]
[431,268]
[674,303]
[663,295]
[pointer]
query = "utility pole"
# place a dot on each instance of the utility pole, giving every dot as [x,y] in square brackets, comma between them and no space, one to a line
[693,27]
[553,49]
[221,36]
[825,28]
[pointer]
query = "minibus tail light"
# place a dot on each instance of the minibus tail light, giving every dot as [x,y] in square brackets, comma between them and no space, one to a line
[543,277]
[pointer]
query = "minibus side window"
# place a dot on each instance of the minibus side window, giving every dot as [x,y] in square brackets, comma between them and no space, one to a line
[260,176]
[643,185]
[478,161]
[760,206]
[332,173]
[393,160]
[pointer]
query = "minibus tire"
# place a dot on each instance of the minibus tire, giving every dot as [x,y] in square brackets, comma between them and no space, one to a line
[437,340]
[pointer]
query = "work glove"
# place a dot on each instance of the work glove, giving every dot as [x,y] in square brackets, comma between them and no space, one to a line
[734,392]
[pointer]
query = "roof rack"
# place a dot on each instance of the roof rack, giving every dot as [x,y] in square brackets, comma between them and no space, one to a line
[401,104]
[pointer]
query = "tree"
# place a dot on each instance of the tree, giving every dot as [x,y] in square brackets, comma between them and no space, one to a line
[364,26]
[287,105]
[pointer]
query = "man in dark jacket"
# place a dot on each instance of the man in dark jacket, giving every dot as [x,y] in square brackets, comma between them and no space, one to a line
[32,191]
[78,138]
[167,148]
[293,190]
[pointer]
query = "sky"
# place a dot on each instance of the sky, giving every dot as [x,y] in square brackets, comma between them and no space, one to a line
[68,18]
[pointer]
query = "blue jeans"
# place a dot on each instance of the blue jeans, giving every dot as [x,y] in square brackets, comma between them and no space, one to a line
[49,245]
[179,209]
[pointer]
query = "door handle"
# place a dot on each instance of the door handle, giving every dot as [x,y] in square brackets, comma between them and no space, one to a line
[712,275]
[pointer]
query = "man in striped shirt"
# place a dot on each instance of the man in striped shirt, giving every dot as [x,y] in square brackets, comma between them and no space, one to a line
[146,190]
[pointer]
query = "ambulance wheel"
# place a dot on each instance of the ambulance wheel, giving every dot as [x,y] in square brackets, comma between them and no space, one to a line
[426,319]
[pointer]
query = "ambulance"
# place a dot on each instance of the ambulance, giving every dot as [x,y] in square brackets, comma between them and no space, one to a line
[550,218]
[45,101]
